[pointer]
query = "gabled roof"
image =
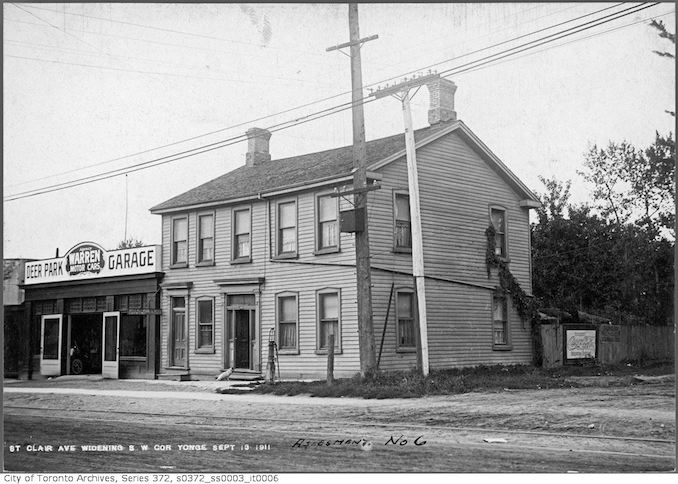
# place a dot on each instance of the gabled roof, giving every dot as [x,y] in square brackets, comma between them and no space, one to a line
[298,171]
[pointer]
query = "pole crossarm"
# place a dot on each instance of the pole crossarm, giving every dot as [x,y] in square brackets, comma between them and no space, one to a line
[406,85]
[358,42]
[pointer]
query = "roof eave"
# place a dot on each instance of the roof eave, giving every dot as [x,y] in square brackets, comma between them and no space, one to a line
[266,194]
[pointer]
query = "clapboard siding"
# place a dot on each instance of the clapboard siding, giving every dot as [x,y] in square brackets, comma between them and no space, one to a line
[460,332]
[305,275]
[457,187]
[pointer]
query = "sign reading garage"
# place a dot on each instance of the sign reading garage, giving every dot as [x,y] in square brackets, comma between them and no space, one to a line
[88,260]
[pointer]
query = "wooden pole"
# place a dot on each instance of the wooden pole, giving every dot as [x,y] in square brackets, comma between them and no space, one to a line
[330,360]
[362,244]
[417,239]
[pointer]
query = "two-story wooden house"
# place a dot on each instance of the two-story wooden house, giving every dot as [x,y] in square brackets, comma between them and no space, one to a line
[257,255]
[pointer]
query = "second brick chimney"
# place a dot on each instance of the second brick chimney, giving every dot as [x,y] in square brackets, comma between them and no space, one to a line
[257,146]
[441,107]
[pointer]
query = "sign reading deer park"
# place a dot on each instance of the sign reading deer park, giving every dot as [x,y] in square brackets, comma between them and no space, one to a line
[88,260]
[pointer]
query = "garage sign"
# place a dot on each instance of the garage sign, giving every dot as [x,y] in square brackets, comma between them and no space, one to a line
[88,260]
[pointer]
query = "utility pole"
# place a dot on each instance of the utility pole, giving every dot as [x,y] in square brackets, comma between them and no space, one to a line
[362,244]
[402,92]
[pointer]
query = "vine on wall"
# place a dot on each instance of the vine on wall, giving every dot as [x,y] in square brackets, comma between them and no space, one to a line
[525,305]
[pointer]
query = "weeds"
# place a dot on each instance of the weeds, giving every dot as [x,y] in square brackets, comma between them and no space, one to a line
[411,384]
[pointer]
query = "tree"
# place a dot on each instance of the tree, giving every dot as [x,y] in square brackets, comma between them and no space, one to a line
[585,262]
[130,243]
[632,185]
[665,34]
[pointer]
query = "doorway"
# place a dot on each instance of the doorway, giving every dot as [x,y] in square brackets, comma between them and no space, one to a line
[241,330]
[84,349]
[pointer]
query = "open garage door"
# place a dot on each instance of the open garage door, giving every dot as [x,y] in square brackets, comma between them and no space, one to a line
[110,367]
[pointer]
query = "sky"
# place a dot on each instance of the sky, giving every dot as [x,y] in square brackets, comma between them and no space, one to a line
[91,88]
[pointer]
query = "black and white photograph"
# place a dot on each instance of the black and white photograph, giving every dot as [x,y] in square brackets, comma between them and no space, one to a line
[261,242]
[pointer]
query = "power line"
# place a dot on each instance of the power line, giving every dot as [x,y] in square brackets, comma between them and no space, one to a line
[228,142]
[318,101]
[162,29]
[146,59]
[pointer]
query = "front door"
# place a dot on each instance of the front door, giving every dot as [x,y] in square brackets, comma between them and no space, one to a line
[243,340]
[178,335]
[110,367]
[50,345]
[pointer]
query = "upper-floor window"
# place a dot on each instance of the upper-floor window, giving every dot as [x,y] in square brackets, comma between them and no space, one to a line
[287,322]
[499,320]
[206,238]
[498,219]
[179,241]
[241,235]
[328,307]
[405,319]
[403,225]
[328,223]
[205,323]
[287,228]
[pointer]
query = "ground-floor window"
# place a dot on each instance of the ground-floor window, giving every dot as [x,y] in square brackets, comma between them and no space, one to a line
[287,321]
[329,318]
[205,324]
[499,320]
[405,319]
[133,335]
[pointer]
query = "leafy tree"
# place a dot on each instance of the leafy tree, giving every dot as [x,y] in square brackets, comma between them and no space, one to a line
[632,185]
[130,243]
[585,262]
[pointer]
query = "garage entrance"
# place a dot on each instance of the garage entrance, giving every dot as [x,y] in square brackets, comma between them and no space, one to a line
[84,354]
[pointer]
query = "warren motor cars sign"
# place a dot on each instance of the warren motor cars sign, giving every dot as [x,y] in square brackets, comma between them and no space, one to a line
[88,260]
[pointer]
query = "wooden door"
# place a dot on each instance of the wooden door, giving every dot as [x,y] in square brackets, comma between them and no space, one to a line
[243,340]
[110,365]
[50,345]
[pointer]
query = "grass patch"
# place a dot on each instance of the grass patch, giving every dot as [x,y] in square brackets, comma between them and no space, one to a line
[410,384]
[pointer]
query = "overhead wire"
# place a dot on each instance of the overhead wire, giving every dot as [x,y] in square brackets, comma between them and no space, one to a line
[284,125]
[317,101]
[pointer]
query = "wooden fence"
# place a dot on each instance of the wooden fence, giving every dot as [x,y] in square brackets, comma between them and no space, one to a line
[615,343]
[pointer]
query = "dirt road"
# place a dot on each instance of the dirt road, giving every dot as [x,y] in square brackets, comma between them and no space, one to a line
[615,429]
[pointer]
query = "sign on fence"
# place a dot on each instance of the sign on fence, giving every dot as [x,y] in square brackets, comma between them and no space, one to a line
[580,343]
[610,334]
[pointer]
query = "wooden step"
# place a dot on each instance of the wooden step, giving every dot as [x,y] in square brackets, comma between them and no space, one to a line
[174,375]
[246,375]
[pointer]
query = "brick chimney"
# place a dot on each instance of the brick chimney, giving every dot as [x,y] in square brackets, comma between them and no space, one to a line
[257,146]
[441,107]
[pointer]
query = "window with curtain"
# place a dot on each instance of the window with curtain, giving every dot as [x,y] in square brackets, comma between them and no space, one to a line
[241,234]
[180,240]
[287,322]
[206,238]
[328,223]
[328,320]
[287,228]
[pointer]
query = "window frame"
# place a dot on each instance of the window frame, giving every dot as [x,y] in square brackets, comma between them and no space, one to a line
[402,348]
[173,250]
[199,261]
[278,230]
[278,297]
[491,208]
[506,345]
[318,226]
[396,248]
[198,324]
[338,346]
[234,245]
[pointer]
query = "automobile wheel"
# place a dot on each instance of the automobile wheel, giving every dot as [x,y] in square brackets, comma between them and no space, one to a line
[76,366]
